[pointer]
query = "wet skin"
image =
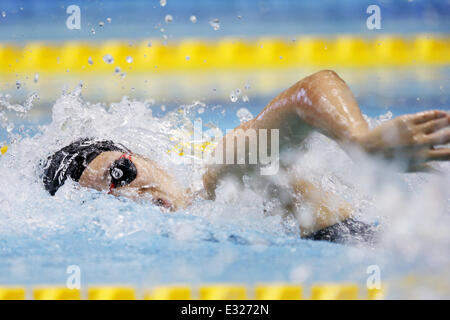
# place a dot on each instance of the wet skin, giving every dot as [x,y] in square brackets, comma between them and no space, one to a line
[151,182]
[323,102]
[320,102]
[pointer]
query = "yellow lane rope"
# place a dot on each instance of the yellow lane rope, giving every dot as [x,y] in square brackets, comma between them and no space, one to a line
[268,291]
[226,53]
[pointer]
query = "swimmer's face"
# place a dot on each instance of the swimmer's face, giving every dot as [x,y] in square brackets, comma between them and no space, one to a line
[151,181]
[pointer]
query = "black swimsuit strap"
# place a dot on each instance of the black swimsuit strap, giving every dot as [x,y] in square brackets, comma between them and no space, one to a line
[349,230]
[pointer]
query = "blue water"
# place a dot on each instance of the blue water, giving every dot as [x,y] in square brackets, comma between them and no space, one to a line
[45,20]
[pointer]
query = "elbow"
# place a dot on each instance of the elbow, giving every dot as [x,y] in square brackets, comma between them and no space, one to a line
[324,75]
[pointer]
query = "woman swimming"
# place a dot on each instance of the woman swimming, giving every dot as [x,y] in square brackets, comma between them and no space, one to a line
[320,102]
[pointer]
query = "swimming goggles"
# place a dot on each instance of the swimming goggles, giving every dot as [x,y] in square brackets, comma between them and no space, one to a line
[122,171]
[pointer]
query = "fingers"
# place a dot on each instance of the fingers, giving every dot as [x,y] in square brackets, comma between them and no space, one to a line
[438,137]
[442,154]
[434,125]
[425,116]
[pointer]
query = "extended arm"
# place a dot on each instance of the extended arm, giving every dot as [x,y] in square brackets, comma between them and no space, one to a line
[321,102]
[324,102]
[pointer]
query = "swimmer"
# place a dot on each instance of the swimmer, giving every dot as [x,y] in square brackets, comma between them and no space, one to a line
[320,102]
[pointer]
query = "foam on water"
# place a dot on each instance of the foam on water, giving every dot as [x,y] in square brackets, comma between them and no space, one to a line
[229,239]
[28,210]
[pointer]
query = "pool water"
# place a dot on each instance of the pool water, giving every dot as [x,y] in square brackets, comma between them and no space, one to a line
[115,240]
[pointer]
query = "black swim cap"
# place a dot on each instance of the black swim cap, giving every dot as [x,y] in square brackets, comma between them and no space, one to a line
[71,161]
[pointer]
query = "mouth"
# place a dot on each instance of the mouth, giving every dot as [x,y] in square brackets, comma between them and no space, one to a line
[155,198]
[161,202]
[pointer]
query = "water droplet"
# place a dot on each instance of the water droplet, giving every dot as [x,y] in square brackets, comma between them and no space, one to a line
[188,58]
[10,127]
[233,96]
[90,61]
[149,44]
[108,58]
[3,14]
[193,19]
[162,3]
[93,31]
[117,70]
[238,92]
[215,24]
[168,18]
[244,115]
[123,75]
[245,98]
[108,20]
[163,108]
[36,77]
[129,59]
[239,17]
[18,85]
[247,86]
[101,24]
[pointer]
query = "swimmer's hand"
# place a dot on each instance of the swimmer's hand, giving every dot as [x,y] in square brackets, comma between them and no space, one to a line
[412,137]
[210,178]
